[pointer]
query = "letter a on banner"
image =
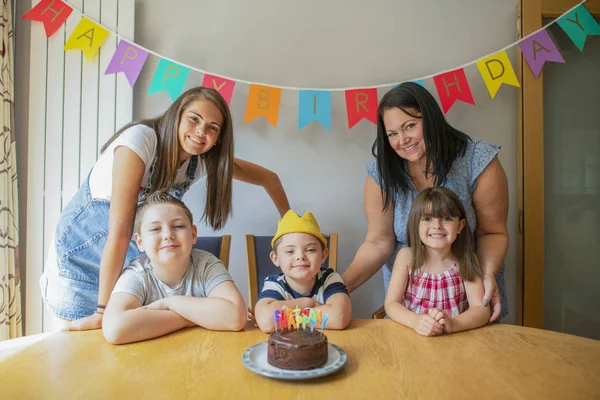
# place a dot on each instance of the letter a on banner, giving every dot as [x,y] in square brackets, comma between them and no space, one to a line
[128,58]
[221,85]
[263,101]
[452,86]
[496,70]
[169,76]
[578,24]
[361,103]
[87,36]
[314,105]
[539,48]
[52,13]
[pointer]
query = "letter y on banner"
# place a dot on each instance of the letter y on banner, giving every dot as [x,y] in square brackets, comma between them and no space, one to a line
[221,85]
[52,13]
[452,86]
[578,24]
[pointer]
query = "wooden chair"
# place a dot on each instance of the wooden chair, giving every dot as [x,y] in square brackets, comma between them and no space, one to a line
[260,265]
[219,246]
[379,314]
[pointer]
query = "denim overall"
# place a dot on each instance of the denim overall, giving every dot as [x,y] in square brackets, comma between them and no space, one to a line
[70,280]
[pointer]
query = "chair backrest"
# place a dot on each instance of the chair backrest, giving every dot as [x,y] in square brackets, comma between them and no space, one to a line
[260,265]
[219,246]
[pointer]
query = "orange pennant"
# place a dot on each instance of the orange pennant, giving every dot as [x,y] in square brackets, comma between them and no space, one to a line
[263,101]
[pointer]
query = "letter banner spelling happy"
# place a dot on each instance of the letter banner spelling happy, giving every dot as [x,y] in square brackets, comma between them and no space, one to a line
[221,85]
[129,59]
[314,104]
[52,13]
[87,36]
[169,76]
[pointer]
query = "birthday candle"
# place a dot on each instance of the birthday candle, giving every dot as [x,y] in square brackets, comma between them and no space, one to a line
[292,323]
[313,322]
[276,316]
[299,319]
[305,321]
[325,318]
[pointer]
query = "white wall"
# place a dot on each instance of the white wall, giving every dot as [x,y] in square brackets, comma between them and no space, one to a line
[328,44]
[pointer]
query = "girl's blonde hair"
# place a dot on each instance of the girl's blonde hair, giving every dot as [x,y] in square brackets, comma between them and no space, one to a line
[440,202]
[218,160]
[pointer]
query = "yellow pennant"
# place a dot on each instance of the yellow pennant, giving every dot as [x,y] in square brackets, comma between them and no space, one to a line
[263,101]
[87,36]
[496,70]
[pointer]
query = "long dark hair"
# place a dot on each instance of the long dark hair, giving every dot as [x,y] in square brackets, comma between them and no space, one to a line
[441,203]
[218,160]
[443,143]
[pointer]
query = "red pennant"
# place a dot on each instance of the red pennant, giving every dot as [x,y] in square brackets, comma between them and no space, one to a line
[361,103]
[453,86]
[52,13]
[221,85]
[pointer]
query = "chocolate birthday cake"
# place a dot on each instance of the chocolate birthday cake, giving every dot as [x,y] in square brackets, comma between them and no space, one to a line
[297,349]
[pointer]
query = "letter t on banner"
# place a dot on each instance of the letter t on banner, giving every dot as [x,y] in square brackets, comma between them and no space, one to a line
[263,101]
[52,13]
[221,85]
[128,58]
[361,103]
[452,86]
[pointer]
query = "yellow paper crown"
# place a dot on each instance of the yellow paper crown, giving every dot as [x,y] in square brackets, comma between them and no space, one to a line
[292,223]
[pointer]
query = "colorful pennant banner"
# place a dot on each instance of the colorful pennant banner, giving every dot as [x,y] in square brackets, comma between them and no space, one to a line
[314,104]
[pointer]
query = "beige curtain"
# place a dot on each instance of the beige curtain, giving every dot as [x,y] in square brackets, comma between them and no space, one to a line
[10,282]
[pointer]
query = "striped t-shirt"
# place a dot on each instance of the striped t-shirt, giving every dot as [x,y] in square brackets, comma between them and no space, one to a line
[327,284]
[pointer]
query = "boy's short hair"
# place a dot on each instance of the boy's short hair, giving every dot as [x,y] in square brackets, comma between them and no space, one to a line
[160,197]
[278,241]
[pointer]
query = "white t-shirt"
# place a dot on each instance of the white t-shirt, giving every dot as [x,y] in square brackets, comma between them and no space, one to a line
[205,273]
[142,140]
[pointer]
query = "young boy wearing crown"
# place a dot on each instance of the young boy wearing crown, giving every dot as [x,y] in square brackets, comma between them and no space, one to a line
[300,250]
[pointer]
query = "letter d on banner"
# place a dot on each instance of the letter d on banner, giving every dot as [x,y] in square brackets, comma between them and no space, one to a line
[496,70]
[169,76]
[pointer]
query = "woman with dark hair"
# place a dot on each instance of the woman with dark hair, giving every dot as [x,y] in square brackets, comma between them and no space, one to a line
[416,149]
[93,238]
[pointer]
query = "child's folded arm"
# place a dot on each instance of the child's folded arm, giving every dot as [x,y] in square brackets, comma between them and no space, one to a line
[394,307]
[124,320]
[477,315]
[266,306]
[223,309]
[338,309]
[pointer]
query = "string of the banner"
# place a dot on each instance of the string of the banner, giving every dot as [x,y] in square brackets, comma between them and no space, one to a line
[324,89]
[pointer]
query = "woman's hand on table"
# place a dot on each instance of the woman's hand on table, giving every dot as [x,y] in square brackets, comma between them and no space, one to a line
[492,296]
[90,322]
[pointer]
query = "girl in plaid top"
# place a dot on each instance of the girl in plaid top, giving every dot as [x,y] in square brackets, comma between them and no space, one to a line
[436,285]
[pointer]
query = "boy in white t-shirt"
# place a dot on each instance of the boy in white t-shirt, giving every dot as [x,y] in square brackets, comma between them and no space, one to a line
[173,286]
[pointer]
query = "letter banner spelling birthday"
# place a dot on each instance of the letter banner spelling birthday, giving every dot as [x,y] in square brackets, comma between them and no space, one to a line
[314,104]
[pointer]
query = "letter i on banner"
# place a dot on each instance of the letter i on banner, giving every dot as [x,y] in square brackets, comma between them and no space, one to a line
[128,58]
[539,48]
[263,101]
[578,24]
[314,105]
[221,85]
[496,70]
[52,13]
[452,86]
[361,103]
[169,76]
[87,36]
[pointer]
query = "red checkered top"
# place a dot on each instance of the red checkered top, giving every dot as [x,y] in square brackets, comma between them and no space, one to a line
[445,291]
